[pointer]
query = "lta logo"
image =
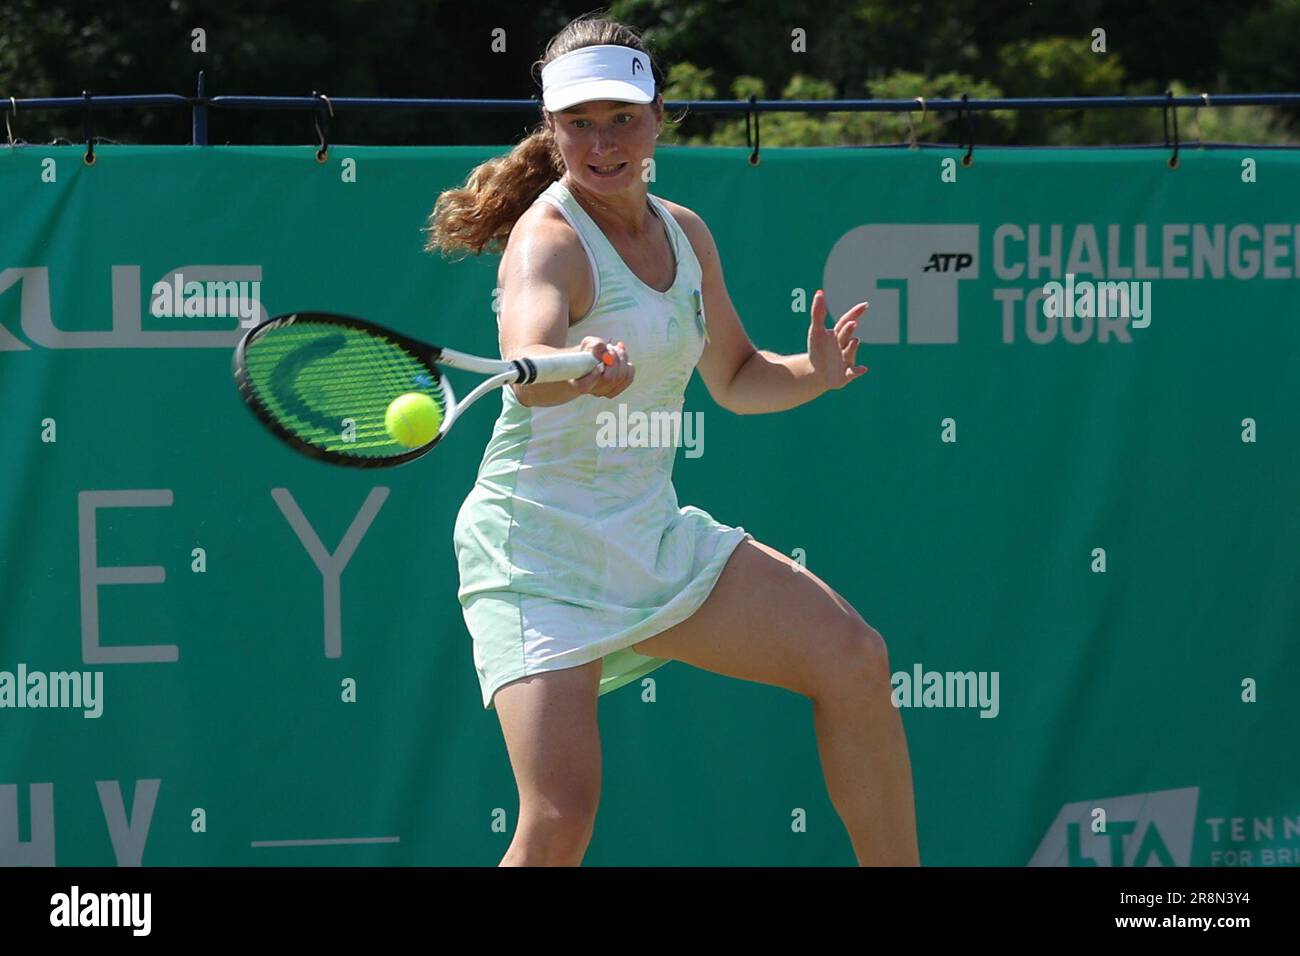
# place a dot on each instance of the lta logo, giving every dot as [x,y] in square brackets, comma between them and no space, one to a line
[1140,829]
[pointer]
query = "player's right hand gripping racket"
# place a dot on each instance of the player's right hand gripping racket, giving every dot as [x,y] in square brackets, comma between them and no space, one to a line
[323,382]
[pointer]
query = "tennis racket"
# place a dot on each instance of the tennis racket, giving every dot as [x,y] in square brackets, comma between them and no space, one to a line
[322,383]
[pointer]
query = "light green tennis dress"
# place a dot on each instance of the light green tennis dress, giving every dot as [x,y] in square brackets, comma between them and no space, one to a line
[571,544]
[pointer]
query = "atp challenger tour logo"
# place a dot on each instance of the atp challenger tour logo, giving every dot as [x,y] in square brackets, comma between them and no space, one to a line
[1075,284]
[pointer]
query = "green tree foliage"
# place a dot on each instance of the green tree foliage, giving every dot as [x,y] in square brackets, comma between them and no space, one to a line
[853,49]
[1259,51]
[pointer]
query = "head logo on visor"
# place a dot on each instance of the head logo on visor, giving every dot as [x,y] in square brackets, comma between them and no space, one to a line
[597,73]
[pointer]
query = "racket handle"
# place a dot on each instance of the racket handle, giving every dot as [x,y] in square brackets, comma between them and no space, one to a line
[562,367]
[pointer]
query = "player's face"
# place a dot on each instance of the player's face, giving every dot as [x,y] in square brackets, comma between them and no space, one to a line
[605,142]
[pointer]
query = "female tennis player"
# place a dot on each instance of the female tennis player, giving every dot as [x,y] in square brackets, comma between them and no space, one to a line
[579,572]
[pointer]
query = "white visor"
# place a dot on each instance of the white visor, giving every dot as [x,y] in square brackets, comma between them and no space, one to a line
[607,72]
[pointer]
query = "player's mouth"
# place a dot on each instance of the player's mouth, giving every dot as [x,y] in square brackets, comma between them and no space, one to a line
[606,172]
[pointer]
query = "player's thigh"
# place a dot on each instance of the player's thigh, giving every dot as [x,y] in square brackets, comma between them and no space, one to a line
[770,620]
[553,739]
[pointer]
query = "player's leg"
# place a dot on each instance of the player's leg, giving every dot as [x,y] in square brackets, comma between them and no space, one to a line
[769,620]
[552,737]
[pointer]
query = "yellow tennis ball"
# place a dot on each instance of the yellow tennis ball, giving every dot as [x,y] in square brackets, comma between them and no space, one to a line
[413,419]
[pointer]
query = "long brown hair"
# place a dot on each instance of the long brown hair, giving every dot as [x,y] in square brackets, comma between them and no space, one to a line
[479,215]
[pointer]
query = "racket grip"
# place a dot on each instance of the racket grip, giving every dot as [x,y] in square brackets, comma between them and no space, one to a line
[561,368]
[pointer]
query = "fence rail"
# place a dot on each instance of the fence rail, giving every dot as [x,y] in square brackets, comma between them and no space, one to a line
[201,103]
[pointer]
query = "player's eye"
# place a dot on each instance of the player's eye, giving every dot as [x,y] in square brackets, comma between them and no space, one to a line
[627,116]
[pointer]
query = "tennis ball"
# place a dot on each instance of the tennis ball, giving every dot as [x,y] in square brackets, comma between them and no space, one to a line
[413,419]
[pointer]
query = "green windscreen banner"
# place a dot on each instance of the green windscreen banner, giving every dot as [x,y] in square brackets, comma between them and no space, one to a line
[1065,494]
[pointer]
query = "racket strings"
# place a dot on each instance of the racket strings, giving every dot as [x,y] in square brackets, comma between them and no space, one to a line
[330,386]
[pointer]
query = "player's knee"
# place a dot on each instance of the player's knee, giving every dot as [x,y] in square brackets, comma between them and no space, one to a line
[860,659]
[868,655]
[564,811]
[557,833]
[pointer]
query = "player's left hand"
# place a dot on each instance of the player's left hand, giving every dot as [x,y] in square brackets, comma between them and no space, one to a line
[833,351]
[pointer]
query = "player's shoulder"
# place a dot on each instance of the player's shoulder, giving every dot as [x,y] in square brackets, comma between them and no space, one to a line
[693,225]
[687,218]
[543,224]
[545,238]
